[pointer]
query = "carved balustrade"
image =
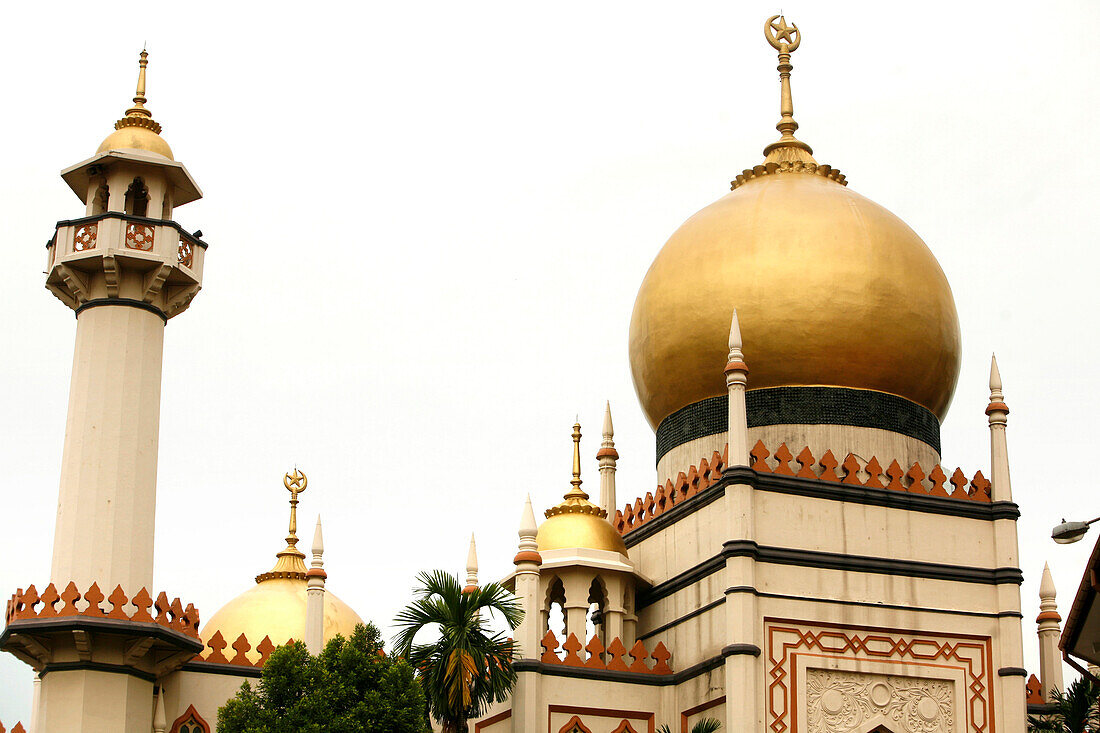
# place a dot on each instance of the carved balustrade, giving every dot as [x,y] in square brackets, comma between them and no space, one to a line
[26,605]
[612,657]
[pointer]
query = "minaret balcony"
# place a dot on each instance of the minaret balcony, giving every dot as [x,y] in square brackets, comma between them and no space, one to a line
[115,256]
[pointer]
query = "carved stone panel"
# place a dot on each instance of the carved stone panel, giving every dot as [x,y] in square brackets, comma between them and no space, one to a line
[839,702]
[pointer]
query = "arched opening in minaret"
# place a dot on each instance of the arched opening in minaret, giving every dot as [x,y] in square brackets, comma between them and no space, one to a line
[555,610]
[597,608]
[137,198]
[100,199]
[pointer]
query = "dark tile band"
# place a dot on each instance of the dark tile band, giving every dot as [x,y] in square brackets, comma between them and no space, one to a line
[802,406]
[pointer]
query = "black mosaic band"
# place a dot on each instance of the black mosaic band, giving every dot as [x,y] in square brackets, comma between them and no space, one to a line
[802,406]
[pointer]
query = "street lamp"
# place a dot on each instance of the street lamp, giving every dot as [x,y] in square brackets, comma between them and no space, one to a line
[1069,532]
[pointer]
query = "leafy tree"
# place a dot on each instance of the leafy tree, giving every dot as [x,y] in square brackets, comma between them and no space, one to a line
[706,725]
[1075,710]
[350,687]
[467,667]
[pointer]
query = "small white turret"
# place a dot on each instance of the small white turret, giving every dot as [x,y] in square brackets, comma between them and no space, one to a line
[160,720]
[736,381]
[471,567]
[998,419]
[315,594]
[1050,660]
[608,458]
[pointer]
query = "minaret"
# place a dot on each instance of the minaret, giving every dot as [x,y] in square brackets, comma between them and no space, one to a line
[998,442]
[608,458]
[125,268]
[736,380]
[527,561]
[315,595]
[471,567]
[1050,657]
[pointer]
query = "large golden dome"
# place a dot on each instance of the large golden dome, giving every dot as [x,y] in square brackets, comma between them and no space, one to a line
[830,288]
[276,607]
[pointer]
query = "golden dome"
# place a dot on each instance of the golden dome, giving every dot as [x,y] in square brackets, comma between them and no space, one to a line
[831,289]
[276,607]
[576,522]
[138,130]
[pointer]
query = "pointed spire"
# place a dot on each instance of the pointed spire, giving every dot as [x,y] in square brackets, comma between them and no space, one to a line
[138,115]
[785,39]
[471,566]
[996,395]
[608,427]
[735,336]
[528,528]
[318,542]
[576,492]
[607,457]
[1046,585]
[290,563]
[995,387]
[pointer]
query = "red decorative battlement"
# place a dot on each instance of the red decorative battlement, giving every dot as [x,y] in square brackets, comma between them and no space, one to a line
[1034,690]
[852,471]
[17,729]
[215,651]
[610,658]
[29,605]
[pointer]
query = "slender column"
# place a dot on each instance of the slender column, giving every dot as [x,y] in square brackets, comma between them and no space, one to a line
[315,595]
[736,380]
[1007,555]
[36,700]
[529,632]
[1050,631]
[160,720]
[107,498]
[471,567]
[608,458]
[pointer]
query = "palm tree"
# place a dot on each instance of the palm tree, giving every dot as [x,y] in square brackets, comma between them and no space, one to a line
[706,725]
[1074,711]
[467,667]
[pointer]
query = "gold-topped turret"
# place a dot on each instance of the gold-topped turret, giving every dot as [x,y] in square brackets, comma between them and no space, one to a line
[137,130]
[290,563]
[576,522]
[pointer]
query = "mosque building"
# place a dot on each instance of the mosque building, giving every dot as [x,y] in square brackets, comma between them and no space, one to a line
[804,563]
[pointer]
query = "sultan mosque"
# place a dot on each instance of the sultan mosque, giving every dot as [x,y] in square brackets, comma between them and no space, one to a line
[802,563]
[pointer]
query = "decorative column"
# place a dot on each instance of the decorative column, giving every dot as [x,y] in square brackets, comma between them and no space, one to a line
[608,458]
[1007,555]
[743,627]
[1050,631]
[160,720]
[530,630]
[315,595]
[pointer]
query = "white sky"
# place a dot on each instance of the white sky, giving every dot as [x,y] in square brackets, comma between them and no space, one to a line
[428,223]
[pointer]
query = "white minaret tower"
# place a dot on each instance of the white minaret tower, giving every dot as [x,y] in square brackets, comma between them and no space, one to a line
[608,458]
[125,268]
[1050,631]
[527,634]
[315,595]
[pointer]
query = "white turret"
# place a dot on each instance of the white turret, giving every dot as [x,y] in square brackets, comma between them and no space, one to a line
[608,458]
[315,594]
[736,381]
[998,419]
[1050,659]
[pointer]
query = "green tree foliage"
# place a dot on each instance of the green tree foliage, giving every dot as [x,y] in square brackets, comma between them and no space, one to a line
[706,725]
[1075,710]
[350,687]
[467,667]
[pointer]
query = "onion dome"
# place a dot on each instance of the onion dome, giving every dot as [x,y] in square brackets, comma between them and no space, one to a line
[137,130]
[576,522]
[832,290]
[276,605]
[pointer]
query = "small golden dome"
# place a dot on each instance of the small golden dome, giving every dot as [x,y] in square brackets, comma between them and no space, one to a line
[576,522]
[277,608]
[138,130]
[831,288]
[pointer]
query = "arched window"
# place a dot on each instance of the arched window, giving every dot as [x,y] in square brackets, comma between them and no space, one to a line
[99,200]
[137,199]
[555,609]
[597,606]
[190,722]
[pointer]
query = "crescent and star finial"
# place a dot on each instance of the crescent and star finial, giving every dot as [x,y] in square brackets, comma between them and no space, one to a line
[785,39]
[780,34]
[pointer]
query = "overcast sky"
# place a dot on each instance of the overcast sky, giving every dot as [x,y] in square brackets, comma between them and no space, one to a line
[428,223]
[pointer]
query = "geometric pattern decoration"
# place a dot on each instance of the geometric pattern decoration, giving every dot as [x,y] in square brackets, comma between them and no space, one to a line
[139,236]
[919,703]
[840,702]
[184,254]
[84,237]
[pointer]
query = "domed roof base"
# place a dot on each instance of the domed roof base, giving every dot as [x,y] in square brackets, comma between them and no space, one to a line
[277,608]
[136,138]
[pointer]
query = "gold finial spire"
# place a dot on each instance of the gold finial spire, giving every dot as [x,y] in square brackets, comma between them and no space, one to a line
[785,39]
[576,492]
[290,563]
[138,115]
